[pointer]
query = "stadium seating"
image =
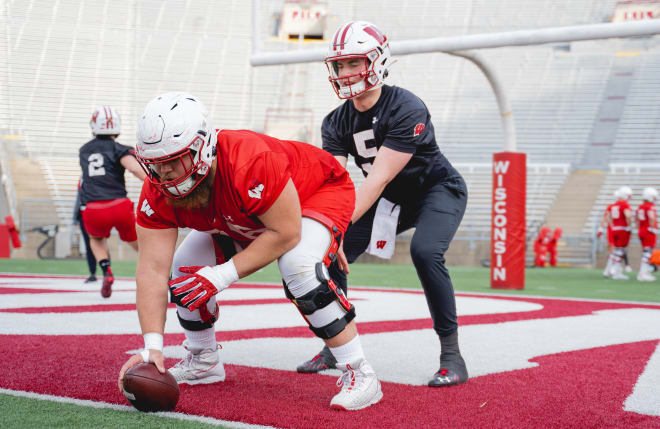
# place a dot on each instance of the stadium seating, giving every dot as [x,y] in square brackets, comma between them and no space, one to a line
[635,143]
[62,61]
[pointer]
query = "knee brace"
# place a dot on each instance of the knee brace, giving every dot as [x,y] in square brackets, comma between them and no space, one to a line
[618,253]
[208,318]
[646,254]
[316,305]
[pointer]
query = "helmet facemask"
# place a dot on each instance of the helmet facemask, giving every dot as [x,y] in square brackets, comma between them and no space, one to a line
[346,86]
[195,170]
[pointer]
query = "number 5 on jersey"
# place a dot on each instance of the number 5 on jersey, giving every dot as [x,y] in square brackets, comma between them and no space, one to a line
[364,151]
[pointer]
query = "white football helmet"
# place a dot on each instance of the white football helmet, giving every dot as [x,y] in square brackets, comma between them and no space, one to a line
[105,121]
[649,194]
[362,40]
[623,193]
[175,127]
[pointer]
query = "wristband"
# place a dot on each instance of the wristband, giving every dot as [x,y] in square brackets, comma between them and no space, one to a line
[221,276]
[153,340]
[145,355]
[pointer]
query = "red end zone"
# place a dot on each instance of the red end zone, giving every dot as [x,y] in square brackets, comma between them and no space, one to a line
[586,386]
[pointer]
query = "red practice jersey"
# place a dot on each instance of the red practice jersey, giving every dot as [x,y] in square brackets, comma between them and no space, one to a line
[252,170]
[643,216]
[617,216]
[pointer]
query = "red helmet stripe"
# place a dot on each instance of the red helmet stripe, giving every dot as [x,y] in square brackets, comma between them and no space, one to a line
[343,35]
[375,33]
[334,42]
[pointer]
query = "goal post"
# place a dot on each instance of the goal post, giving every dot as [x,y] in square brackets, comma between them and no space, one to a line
[509,185]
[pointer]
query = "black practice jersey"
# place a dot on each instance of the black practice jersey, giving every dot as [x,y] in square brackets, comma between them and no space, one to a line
[399,121]
[102,172]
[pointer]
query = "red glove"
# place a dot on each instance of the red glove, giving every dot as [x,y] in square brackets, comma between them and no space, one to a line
[193,290]
[201,283]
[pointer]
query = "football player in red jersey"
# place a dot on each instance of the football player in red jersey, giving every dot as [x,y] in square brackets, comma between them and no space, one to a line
[103,201]
[409,183]
[619,218]
[647,228]
[250,199]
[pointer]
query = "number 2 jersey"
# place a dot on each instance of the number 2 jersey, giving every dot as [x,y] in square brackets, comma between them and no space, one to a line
[252,170]
[102,172]
[399,121]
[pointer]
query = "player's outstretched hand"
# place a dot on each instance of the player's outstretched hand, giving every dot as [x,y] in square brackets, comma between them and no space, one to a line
[155,356]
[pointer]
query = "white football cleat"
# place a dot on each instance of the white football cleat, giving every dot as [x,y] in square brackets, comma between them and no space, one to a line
[360,387]
[199,367]
[619,276]
[628,269]
[645,277]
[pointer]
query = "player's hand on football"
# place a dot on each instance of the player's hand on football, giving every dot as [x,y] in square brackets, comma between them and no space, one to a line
[155,356]
[341,259]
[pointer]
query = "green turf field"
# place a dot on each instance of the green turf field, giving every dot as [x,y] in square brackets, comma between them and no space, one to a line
[556,282]
[559,282]
[24,413]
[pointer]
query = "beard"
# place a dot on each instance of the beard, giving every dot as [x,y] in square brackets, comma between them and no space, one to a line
[200,197]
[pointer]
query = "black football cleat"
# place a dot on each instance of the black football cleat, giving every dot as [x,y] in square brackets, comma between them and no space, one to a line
[90,279]
[322,361]
[452,372]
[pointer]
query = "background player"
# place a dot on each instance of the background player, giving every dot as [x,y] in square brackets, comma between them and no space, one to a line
[89,254]
[619,218]
[647,228]
[260,199]
[104,204]
[389,133]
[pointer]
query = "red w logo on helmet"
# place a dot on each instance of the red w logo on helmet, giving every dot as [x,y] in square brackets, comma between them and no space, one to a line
[94,116]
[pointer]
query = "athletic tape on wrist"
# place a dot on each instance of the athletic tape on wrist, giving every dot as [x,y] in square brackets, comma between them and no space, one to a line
[145,355]
[153,340]
[227,272]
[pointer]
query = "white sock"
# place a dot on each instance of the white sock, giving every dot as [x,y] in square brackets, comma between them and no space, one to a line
[200,340]
[349,352]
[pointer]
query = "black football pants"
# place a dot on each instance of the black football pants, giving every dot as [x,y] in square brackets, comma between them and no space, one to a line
[436,215]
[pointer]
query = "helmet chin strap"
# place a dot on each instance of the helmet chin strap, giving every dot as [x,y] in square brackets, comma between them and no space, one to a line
[351,90]
[182,188]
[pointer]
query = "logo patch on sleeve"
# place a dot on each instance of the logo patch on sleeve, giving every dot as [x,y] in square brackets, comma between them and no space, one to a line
[418,129]
[256,191]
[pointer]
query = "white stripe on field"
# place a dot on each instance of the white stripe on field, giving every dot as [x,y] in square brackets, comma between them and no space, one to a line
[645,399]
[96,404]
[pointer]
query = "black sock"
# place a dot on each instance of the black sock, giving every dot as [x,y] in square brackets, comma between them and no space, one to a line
[105,266]
[449,344]
[450,355]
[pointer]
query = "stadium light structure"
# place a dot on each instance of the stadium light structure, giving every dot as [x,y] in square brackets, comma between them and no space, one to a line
[508,221]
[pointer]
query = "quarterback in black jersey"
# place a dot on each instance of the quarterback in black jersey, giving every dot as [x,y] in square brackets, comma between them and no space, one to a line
[389,133]
[104,204]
